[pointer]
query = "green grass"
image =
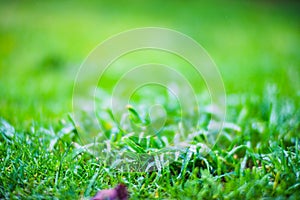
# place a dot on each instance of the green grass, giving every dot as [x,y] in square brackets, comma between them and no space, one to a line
[260,160]
[255,46]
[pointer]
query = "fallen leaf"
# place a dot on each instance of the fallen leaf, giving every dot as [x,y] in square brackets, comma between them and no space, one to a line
[118,193]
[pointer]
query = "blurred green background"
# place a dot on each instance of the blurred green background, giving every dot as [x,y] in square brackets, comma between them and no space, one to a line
[42,44]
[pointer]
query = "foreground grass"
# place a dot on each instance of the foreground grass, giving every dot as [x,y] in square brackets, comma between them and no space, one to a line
[257,156]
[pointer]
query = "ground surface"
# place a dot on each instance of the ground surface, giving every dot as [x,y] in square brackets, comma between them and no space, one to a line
[256,47]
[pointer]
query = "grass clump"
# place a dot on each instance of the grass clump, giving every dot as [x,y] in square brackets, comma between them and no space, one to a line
[252,159]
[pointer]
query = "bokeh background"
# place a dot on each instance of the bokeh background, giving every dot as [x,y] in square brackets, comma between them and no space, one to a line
[43,43]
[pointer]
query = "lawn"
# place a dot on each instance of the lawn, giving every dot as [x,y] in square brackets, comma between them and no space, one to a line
[46,154]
